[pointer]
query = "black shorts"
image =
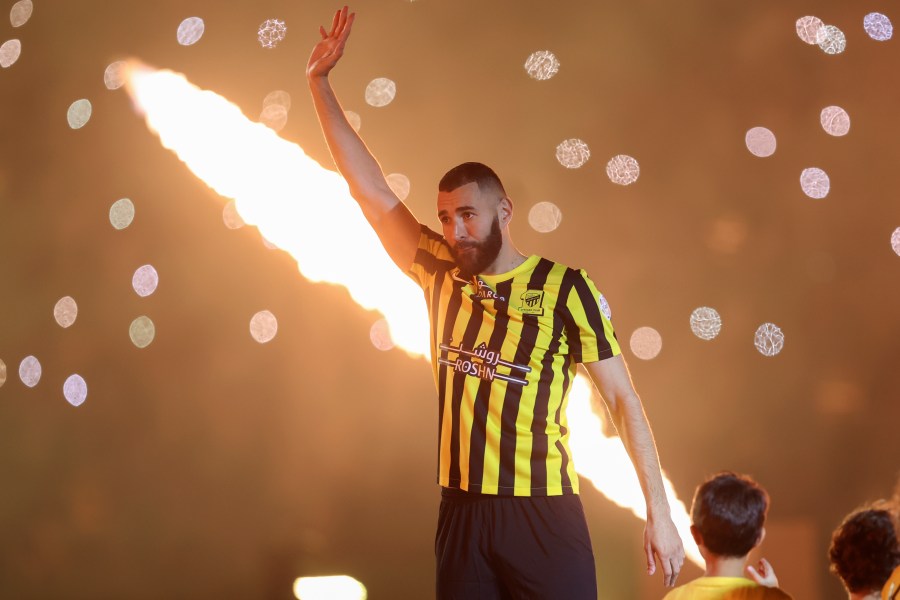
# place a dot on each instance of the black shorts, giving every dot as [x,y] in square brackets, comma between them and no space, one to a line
[501,547]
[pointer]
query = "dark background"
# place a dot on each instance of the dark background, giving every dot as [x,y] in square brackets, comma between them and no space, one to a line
[208,465]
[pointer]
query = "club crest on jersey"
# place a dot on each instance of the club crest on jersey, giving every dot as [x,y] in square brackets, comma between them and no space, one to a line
[532,302]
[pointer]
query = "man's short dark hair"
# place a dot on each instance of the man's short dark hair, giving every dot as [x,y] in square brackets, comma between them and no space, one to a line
[468,172]
[864,549]
[729,512]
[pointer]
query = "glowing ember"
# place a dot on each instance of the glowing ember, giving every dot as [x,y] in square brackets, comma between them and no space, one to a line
[706,323]
[276,186]
[769,339]
[811,29]
[142,331]
[79,113]
[121,213]
[263,326]
[760,142]
[9,53]
[544,217]
[380,92]
[572,153]
[65,312]
[75,390]
[542,65]
[835,120]
[190,31]
[878,26]
[271,32]
[334,587]
[145,281]
[815,183]
[623,169]
[30,371]
[833,40]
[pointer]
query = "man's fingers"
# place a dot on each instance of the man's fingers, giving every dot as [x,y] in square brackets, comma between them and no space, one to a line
[668,577]
[651,562]
[676,569]
[323,32]
[345,32]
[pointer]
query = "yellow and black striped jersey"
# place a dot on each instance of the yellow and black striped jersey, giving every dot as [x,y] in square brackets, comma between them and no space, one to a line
[505,350]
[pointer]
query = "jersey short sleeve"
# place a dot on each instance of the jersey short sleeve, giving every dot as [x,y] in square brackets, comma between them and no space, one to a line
[431,252]
[591,334]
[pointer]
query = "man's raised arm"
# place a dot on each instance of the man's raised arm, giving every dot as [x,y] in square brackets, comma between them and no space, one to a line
[392,221]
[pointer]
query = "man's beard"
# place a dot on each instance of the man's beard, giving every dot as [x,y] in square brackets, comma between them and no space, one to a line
[475,257]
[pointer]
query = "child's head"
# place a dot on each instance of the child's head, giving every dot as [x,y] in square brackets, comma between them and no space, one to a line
[728,514]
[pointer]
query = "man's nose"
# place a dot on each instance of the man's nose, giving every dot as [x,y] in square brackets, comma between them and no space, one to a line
[459,230]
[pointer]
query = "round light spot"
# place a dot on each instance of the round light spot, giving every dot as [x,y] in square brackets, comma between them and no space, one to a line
[75,390]
[878,26]
[572,153]
[121,213]
[79,113]
[895,241]
[190,31]
[114,75]
[811,29]
[399,184]
[835,120]
[380,92]
[380,335]
[263,326]
[760,142]
[145,281]
[142,331]
[544,217]
[20,13]
[354,119]
[30,371]
[706,323]
[9,52]
[279,97]
[815,183]
[542,65]
[231,217]
[769,339]
[271,32]
[65,312]
[2,373]
[274,116]
[646,343]
[604,307]
[623,169]
[833,41]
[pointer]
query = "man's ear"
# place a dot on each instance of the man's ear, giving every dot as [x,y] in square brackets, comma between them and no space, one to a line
[505,210]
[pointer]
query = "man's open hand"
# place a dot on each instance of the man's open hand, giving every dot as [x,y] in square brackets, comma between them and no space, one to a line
[329,50]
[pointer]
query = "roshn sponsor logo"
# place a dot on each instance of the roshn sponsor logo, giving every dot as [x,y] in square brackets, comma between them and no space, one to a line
[482,363]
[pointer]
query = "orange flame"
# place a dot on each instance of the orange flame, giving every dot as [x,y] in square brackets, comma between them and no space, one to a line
[288,195]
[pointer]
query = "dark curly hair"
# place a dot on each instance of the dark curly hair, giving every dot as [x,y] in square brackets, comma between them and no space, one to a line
[864,549]
[729,511]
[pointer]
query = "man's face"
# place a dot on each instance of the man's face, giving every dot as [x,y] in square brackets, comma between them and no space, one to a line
[471,226]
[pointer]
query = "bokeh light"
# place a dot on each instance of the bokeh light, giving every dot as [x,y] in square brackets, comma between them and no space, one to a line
[399,184]
[811,29]
[231,217]
[30,371]
[79,113]
[263,326]
[381,91]
[354,119]
[380,335]
[121,213]
[572,153]
[542,65]
[142,331]
[769,339]
[114,75]
[20,13]
[190,31]
[895,241]
[145,280]
[65,312]
[271,32]
[623,169]
[835,120]
[706,323]
[878,26]
[9,52]
[274,116]
[544,217]
[334,587]
[645,343]
[760,142]
[75,390]
[833,40]
[815,183]
[279,97]
[2,373]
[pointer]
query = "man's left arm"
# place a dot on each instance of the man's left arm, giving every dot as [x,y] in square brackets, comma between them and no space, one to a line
[661,539]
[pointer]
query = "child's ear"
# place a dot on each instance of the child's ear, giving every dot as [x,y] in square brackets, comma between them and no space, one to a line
[762,536]
[695,533]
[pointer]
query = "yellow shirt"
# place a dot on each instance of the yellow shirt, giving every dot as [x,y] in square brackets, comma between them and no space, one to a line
[724,588]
